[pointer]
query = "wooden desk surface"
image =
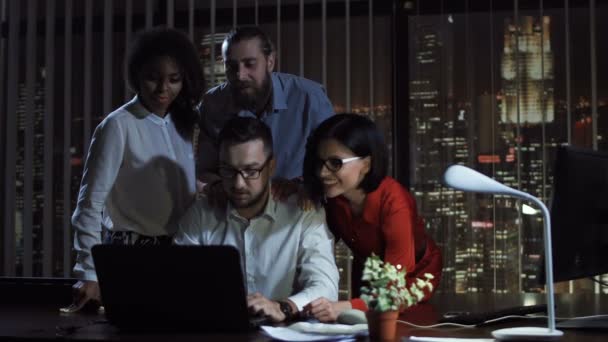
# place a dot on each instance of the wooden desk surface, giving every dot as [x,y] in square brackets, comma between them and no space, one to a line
[45,322]
[566,306]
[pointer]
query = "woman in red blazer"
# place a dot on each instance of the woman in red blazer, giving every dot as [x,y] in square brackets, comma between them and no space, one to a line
[345,168]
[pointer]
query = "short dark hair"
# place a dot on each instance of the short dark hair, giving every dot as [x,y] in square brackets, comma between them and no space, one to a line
[240,130]
[361,136]
[246,33]
[168,42]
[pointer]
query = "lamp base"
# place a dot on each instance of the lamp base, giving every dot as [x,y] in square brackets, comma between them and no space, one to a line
[527,334]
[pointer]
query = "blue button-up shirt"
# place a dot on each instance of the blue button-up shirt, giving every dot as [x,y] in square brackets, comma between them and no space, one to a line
[299,105]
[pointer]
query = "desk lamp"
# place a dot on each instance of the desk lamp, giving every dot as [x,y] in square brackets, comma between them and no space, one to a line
[465,179]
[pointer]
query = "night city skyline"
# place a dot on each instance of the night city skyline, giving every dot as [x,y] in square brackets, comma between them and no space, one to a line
[463,98]
[497,128]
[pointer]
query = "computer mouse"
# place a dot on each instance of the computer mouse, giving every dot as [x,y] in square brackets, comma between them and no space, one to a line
[451,314]
[352,317]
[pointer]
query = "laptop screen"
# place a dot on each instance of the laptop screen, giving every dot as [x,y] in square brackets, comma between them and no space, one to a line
[172,287]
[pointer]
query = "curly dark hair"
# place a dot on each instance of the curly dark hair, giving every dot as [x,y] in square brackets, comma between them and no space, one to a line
[361,136]
[168,42]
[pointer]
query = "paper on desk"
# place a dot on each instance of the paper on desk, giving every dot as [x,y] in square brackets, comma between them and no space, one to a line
[449,339]
[305,331]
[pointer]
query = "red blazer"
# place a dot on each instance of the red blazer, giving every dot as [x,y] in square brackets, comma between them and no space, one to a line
[390,227]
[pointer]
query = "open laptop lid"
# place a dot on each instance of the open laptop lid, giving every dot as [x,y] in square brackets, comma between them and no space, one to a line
[172,287]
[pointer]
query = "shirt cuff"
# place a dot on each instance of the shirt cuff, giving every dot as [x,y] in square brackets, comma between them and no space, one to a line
[300,300]
[86,275]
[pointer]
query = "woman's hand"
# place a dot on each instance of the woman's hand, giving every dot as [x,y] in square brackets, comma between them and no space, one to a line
[283,188]
[325,310]
[215,194]
[83,292]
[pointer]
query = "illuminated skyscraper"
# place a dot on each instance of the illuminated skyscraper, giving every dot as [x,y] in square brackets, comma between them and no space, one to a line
[493,219]
[37,174]
[492,247]
[527,102]
[527,65]
[439,138]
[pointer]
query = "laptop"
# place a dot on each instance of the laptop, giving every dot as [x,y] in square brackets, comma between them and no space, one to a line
[173,288]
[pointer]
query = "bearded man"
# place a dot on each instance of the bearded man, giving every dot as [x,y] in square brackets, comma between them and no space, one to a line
[291,106]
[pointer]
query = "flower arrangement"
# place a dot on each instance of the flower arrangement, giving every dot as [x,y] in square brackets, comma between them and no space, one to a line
[387,289]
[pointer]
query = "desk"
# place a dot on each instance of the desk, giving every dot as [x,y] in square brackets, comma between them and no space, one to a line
[567,305]
[43,321]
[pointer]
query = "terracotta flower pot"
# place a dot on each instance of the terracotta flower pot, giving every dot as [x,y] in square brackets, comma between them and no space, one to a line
[382,325]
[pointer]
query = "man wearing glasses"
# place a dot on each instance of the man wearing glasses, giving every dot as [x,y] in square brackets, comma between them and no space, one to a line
[286,252]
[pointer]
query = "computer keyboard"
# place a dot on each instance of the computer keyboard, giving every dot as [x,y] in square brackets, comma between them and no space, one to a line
[477,318]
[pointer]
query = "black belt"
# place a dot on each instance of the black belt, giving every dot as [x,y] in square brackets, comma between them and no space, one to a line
[136,239]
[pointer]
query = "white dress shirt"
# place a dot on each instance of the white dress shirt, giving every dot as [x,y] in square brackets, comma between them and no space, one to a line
[285,252]
[139,173]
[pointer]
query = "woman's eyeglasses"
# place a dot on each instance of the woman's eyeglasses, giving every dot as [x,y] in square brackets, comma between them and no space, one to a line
[228,172]
[335,164]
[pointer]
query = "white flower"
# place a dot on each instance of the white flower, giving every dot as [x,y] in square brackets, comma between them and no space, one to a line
[386,287]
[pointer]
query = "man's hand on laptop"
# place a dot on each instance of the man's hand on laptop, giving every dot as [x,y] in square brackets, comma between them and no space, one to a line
[83,292]
[326,310]
[260,305]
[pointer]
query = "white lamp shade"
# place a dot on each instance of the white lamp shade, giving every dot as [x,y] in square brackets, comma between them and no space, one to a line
[466,179]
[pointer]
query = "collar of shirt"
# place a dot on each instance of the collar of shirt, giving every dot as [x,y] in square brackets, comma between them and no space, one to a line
[270,211]
[371,207]
[136,108]
[279,101]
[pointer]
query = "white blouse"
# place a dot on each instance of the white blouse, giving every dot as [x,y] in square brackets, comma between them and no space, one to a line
[139,175]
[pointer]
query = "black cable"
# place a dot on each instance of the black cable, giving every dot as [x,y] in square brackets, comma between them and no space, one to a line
[599,281]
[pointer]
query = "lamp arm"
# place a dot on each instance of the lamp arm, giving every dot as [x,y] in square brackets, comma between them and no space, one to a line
[548,254]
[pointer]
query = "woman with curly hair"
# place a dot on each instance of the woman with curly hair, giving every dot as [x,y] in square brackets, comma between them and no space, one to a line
[345,168]
[139,177]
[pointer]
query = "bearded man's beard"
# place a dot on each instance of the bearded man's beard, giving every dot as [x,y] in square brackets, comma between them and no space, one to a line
[252,100]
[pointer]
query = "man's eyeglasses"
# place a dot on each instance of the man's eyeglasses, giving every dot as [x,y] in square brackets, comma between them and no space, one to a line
[228,172]
[335,164]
